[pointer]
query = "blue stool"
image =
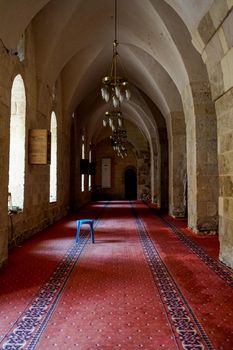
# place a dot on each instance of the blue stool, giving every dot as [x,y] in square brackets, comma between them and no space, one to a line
[80,223]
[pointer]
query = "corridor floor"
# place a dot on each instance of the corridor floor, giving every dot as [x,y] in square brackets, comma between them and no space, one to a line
[146,283]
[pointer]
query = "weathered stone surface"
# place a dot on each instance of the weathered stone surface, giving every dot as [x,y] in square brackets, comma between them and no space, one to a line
[223,40]
[138,160]
[227,69]
[216,80]
[230,3]
[226,186]
[206,28]
[143,169]
[38,213]
[177,169]
[214,51]
[225,142]
[225,235]
[220,75]
[218,11]
[224,106]
[228,207]
[227,29]
[226,163]
[202,159]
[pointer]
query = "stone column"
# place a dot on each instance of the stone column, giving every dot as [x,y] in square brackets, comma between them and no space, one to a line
[202,169]
[143,171]
[215,31]
[155,175]
[224,110]
[177,166]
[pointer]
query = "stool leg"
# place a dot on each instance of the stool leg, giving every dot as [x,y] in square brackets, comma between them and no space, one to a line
[78,232]
[92,233]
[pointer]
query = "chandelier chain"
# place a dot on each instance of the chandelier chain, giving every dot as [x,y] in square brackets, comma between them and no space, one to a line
[115,20]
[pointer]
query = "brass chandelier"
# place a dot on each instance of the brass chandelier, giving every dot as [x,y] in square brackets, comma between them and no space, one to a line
[113,119]
[118,140]
[114,86]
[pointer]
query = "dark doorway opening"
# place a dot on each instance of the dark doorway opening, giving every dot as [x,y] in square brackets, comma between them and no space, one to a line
[130,184]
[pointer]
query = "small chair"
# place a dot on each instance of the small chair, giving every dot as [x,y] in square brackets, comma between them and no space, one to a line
[88,222]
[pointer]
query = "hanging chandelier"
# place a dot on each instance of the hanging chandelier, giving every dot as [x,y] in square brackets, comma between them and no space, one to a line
[113,119]
[115,86]
[118,140]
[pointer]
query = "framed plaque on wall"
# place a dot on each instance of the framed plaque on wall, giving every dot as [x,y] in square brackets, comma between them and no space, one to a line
[106,172]
[39,145]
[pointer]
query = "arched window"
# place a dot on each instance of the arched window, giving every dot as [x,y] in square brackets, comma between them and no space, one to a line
[17,145]
[53,164]
[89,176]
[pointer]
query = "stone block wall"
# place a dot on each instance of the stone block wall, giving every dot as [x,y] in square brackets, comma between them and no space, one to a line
[177,166]
[224,108]
[38,212]
[202,167]
[216,33]
[138,158]
[143,176]
[118,167]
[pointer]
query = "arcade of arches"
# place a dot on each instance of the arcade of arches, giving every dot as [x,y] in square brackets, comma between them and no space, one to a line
[178,56]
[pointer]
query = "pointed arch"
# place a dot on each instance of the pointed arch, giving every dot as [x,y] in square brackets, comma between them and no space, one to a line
[89,175]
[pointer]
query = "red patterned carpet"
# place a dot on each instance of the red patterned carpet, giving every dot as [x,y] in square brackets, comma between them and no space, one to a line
[146,283]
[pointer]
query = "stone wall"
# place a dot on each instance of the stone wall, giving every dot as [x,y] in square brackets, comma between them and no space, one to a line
[138,158]
[216,33]
[38,213]
[202,169]
[118,167]
[224,108]
[177,166]
[143,176]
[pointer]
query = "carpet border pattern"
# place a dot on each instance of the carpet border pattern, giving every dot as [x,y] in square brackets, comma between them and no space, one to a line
[27,330]
[188,331]
[216,266]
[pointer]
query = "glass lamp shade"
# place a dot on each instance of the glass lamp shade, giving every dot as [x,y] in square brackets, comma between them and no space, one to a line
[127,94]
[115,101]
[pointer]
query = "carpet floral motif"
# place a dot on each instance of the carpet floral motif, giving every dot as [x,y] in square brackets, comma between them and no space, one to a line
[188,331]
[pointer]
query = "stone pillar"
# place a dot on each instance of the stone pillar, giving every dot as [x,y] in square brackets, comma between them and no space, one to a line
[215,31]
[177,166]
[202,170]
[224,110]
[155,178]
[155,174]
[143,171]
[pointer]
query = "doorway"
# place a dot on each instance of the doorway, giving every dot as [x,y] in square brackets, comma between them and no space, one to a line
[130,184]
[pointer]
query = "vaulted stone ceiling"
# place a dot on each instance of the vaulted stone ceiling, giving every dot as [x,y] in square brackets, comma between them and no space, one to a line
[73,41]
